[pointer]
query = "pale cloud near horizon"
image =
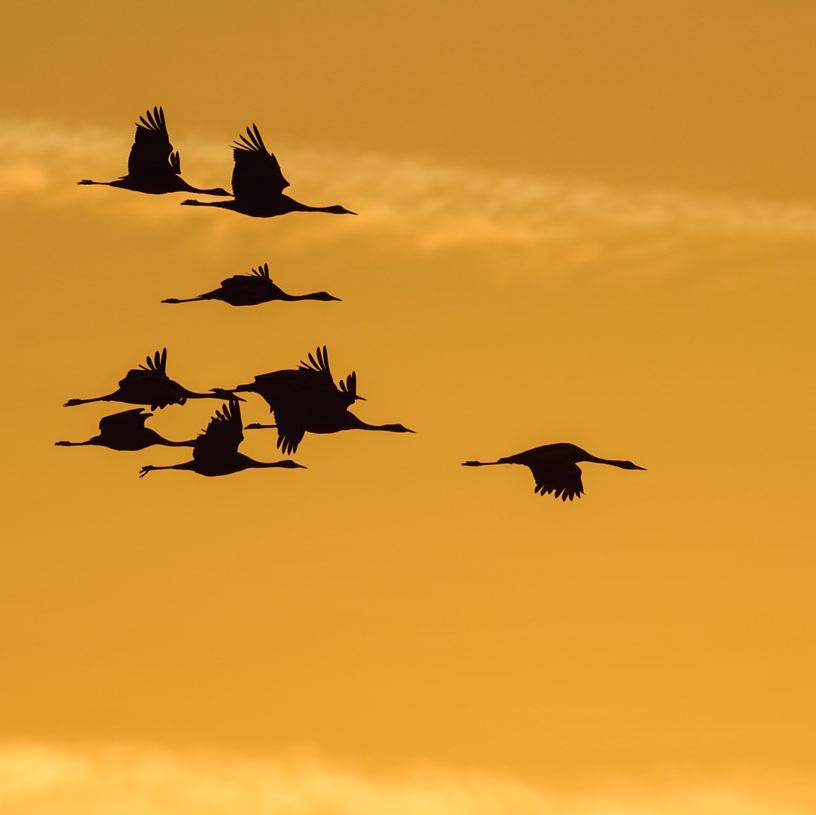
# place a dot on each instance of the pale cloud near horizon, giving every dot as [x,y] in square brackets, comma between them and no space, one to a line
[122,780]
[418,201]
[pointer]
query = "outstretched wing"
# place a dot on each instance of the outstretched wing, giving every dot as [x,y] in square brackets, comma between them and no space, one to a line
[563,481]
[152,154]
[290,430]
[127,420]
[222,435]
[257,174]
[155,366]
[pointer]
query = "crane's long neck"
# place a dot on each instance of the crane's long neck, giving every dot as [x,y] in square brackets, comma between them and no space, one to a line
[485,463]
[612,462]
[311,296]
[217,393]
[358,424]
[297,206]
[308,208]
[94,440]
[212,191]
[168,443]
[101,183]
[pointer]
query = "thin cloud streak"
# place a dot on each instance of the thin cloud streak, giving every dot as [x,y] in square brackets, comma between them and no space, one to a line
[125,780]
[431,206]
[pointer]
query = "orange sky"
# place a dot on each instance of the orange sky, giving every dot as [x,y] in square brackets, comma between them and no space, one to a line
[585,222]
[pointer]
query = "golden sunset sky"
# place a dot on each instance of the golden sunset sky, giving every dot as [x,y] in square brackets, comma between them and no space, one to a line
[578,221]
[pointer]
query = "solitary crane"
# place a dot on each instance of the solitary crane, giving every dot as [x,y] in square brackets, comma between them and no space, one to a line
[258,183]
[555,467]
[153,166]
[126,431]
[215,451]
[250,290]
[149,385]
[306,399]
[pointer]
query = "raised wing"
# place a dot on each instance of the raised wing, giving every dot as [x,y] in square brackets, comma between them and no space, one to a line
[349,385]
[152,154]
[220,439]
[262,272]
[563,481]
[302,390]
[318,366]
[155,366]
[123,422]
[256,281]
[257,174]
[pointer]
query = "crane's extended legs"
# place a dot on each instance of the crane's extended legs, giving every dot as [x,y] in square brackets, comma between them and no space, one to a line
[149,468]
[73,402]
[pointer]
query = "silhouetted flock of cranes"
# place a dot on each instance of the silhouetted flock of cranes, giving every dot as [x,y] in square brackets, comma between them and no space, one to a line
[302,400]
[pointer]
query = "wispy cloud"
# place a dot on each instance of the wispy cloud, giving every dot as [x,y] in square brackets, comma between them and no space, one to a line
[143,781]
[430,205]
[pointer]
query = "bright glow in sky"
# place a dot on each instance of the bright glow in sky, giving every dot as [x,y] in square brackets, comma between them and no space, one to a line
[578,222]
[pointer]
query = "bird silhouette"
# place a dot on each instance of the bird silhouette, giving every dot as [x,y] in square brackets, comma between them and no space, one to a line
[250,290]
[215,451]
[126,431]
[555,467]
[149,385]
[153,166]
[307,400]
[258,183]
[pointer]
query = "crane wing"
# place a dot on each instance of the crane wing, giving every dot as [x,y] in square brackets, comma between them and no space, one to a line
[154,367]
[152,154]
[257,174]
[563,480]
[261,271]
[298,388]
[290,430]
[318,369]
[221,437]
[124,421]
[256,281]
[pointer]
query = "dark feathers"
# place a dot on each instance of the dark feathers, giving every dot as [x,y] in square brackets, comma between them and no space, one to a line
[257,174]
[125,422]
[220,439]
[152,154]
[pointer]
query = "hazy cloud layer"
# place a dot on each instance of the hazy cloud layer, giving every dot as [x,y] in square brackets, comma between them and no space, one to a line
[431,206]
[141,781]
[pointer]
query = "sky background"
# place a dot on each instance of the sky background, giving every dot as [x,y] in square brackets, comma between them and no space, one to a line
[587,222]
